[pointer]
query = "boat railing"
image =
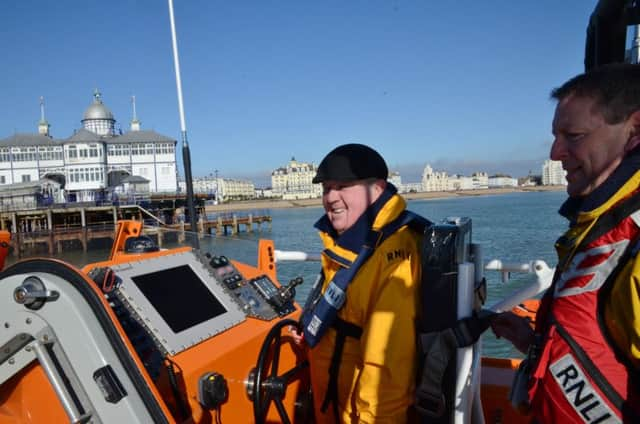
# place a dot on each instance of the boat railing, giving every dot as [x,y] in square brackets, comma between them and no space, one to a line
[542,281]
[542,272]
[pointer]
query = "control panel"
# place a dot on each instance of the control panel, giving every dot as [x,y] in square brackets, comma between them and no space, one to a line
[260,297]
[168,303]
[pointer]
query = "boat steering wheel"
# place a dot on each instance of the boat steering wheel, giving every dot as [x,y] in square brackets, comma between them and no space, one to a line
[273,387]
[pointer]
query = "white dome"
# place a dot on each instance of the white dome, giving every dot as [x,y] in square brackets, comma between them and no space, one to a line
[97,110]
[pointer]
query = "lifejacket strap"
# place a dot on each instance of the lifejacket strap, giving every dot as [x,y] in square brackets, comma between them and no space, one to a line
[602,383]
[438,348]
[343,329]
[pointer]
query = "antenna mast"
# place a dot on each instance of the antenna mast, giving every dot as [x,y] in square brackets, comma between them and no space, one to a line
[186,154]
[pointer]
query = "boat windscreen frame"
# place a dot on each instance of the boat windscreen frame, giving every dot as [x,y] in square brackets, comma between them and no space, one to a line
[217,309]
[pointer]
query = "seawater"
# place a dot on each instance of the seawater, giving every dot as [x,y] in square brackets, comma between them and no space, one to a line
[515,227]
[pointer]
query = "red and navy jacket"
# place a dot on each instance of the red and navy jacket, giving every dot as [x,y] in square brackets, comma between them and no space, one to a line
[579,374]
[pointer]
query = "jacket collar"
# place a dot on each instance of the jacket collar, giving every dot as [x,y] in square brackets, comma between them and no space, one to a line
[353,238]
[574,206]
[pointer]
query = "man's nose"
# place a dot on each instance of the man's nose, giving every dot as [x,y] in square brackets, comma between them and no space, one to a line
[558,149]
[330,193]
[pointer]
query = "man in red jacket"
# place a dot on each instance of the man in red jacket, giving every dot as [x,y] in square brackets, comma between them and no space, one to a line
[584,354]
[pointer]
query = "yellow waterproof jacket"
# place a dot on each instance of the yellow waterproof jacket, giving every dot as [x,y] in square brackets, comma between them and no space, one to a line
[622,308]
[377,371]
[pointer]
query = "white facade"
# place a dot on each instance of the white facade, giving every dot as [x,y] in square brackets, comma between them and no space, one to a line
[552,173]
[502,181]
[434,181]
[411,188]
[264,193]
[230,189]
[459,182]
[204,185]
[479,180]
[93,161]
[395,179]
[223,189]
[294,181]
[440,181]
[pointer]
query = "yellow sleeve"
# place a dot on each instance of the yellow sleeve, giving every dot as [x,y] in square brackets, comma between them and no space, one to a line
[622,312]
[386,383]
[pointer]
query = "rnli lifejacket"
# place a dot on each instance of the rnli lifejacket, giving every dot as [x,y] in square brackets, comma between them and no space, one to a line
[577,375]
[320,312]
[323,311]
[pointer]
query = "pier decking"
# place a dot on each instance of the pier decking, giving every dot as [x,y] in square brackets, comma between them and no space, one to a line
[54,226]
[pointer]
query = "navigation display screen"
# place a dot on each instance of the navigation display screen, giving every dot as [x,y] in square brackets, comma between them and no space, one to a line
[180,297]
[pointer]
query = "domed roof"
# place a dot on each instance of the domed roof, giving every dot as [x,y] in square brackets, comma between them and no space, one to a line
[97,110]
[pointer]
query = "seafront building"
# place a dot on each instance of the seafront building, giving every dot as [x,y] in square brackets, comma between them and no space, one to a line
[552,173]
[293,181]
[222,189]
[95,163]
[434,181]
[440,181]
[395,179]
[499,181]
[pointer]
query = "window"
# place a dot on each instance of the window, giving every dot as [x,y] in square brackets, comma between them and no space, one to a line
[73,152]
[93,150]
[26,178]
[3,179]
[149,149]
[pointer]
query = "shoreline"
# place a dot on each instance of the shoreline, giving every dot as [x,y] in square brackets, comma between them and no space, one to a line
[307,203]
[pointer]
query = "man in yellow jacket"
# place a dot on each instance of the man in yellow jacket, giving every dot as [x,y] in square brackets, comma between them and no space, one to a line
[360,320]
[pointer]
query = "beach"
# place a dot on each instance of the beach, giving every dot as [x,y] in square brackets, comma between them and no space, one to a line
[303,203]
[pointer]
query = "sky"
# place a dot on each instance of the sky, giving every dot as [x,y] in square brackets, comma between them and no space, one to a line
[463,86]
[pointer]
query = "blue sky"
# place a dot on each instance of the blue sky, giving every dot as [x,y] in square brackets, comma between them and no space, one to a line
[461,85]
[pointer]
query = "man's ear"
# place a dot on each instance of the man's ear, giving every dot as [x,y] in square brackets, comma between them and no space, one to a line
[634,136]
[376,188]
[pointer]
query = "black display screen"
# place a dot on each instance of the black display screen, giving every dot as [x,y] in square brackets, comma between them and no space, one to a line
[180,297]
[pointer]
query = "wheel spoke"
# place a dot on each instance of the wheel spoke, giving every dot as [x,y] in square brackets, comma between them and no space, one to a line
[270,387]
[276,355]
[264,404]
[288,376]
[281,411]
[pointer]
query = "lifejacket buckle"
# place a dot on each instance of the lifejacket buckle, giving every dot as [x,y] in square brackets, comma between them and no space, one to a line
[429,404]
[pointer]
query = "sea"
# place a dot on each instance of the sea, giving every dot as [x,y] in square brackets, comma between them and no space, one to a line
[515,227]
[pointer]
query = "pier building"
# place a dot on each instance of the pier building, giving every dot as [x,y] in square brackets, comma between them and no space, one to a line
[95,161]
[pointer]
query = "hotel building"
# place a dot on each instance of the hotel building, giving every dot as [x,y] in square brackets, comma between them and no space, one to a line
[293,181]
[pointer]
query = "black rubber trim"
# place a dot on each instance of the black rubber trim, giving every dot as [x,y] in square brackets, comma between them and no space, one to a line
[79,282]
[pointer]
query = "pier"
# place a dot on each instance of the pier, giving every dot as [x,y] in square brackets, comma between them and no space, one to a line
[52,227]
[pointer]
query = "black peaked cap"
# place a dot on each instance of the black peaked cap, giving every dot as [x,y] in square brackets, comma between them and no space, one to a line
[351,162]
